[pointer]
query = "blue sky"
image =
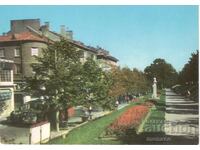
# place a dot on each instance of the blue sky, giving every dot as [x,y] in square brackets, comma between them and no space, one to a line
[136,35]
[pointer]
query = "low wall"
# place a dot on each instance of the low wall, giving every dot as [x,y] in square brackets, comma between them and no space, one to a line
[39,133]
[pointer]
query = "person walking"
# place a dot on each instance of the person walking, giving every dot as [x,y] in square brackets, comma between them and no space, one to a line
[116,104]
[90,112]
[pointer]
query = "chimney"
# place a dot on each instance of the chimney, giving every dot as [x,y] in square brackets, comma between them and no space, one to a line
[13,36]
[62,30]
[69,35]
[47,25]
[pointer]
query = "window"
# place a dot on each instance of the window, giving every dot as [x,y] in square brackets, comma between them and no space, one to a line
[5,94]
[17,68]
[34,51]
[5,75]
[2,53]
[17,52]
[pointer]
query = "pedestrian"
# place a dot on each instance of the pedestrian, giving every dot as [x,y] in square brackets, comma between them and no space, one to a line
[117,104]
[188,93]
[90,112]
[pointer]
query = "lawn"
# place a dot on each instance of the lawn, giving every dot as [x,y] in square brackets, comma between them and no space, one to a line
[155,122]
[89,133]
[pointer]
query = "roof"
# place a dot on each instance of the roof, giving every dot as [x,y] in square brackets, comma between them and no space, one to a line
[24,36]
[112,58]
[82,45]
[107,57]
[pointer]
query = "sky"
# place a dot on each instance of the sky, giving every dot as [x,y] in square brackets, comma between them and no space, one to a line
[136,34]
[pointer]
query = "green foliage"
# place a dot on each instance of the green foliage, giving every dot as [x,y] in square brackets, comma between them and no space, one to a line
[95,85]
[57,70]
[67,81]
[127,81]
[190,71]
[164,72]
[189,78]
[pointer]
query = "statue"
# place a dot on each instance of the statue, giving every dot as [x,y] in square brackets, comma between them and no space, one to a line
[154,95]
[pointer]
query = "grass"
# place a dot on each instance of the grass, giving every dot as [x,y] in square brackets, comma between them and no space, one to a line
[155,122]
[89,133]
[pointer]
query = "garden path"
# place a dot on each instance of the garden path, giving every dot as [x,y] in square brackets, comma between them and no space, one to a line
[181,117]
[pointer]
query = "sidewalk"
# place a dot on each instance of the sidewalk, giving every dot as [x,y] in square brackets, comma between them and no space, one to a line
[181,117]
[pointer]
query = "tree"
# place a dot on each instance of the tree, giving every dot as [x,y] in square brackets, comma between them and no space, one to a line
[118,87]
[95,83]
[58,70]
[189,78]
[189,73]
[127,81]
[164,72]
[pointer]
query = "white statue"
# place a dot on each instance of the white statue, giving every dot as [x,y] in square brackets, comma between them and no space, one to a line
[154,95]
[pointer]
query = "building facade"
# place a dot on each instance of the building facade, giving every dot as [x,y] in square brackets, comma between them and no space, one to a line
[28,37]
[21,48]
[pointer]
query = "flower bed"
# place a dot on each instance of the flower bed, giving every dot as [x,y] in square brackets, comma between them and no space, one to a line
[130,119]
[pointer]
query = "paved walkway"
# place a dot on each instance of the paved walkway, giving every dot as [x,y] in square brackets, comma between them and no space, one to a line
[181,117]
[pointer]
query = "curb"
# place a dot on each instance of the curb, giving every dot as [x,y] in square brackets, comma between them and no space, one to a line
[140,128]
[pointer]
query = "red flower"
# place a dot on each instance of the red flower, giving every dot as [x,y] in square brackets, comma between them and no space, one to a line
[130,118]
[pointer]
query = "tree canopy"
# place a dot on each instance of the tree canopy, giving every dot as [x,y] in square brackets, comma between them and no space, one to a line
[190,71]
[63,81]
[164,72]
[127,81]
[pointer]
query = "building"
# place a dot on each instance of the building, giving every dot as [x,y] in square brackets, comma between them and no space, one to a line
[21,45]
[28,37]
[105,60]
[6,88]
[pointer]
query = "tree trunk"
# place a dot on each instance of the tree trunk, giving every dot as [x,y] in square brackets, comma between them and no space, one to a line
[57,120]
[66,115]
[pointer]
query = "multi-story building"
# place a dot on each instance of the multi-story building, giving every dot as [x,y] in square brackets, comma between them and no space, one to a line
[6,88]
[28,37]
[21,48]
